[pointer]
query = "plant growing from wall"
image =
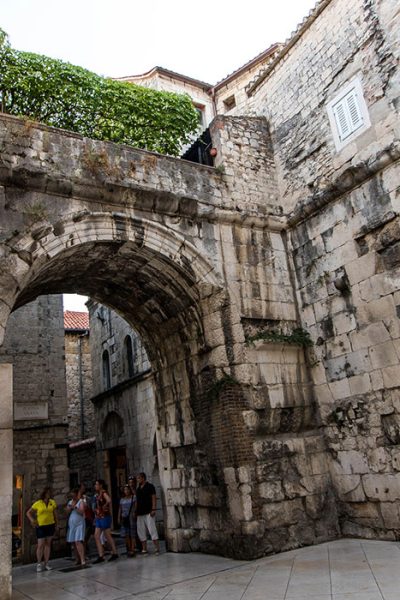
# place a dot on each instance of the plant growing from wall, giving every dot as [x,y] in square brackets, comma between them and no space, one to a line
[62,95]
[298,337]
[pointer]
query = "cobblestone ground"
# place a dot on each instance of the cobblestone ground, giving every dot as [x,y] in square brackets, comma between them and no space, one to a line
[340,570]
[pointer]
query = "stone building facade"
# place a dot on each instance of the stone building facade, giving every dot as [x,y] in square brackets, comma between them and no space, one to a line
[165,80]
[124,403]
[40,424]
[342,203]
[266,290]
[78,367]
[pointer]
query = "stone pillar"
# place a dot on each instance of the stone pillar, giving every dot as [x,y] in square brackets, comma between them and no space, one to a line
[6,474]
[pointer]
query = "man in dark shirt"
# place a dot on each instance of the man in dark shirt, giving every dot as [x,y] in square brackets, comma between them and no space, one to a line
[146,511]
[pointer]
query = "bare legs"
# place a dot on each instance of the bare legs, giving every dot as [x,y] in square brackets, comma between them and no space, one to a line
[47,548]
[43,550]
[109,538]
[80,551]
[40,550]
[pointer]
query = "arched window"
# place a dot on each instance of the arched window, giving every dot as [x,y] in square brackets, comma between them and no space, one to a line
[106,370]
[130,360]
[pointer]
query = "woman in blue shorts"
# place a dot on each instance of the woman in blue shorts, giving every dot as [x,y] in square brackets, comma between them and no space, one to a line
[103,521]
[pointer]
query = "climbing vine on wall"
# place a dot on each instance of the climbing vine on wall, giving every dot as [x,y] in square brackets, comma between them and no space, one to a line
[63,95]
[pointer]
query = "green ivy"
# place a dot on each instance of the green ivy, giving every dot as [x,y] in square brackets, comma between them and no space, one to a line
[298,337]
[62,95]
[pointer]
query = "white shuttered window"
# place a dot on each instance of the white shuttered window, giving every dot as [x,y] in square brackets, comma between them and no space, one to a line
[348,114]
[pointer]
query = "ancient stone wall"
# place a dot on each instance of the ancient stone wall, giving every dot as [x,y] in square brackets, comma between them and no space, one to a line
[42,351]
[343,42]
[78,368]
[343,209]
[109,332]
[40,456]
[34,344]
[350,296]
[230,95]
[130,397]
[82,463]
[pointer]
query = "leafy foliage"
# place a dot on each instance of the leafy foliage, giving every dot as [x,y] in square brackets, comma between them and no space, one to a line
[298,337]
[63,95]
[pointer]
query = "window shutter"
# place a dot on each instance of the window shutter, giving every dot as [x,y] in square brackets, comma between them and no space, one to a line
[342,122]
[353,106]
[348,115]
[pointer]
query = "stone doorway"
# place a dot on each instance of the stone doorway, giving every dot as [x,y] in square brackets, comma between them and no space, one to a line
[118,476]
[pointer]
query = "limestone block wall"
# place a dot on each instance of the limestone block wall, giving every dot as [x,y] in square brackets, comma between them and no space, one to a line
[134,405]
[236,86]
[38,358]
[108,332]
[82,462]
[343,42]
[269,449]
[34,344]
[75,344]
[246,162]
[350,304]
[40,456]
[342,208]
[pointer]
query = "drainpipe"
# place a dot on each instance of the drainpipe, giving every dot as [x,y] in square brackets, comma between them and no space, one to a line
[81,397]
[211,92]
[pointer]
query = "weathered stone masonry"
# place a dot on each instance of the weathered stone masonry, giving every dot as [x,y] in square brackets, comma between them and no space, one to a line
[343,236]
[34,344]
[263,445]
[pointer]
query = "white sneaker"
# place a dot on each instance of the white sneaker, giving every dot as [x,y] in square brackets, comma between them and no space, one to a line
[48,567]
[39,568]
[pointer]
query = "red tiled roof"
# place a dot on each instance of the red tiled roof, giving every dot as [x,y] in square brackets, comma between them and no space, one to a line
[76,320]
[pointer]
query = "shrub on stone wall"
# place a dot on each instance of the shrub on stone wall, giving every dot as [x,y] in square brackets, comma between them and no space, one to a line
[62,95]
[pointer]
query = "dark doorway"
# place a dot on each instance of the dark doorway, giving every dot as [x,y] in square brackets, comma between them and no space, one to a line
[118,477]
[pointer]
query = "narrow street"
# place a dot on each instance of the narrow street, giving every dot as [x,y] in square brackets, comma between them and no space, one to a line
[340,570]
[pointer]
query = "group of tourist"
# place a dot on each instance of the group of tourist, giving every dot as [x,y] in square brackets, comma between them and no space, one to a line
[136,516]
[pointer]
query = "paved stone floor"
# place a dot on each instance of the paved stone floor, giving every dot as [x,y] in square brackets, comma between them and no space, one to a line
[339,570]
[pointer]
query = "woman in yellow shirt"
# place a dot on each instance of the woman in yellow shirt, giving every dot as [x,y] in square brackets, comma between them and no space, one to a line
[45,523]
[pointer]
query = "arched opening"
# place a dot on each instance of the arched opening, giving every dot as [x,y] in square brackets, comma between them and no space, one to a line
[129,356]
[105,359]
[165,297]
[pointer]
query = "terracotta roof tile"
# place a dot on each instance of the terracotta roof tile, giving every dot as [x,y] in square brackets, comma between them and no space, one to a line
[76,320]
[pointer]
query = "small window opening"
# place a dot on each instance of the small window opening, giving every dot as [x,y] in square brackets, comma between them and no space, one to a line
[230,102]
[106,370]
[129,356]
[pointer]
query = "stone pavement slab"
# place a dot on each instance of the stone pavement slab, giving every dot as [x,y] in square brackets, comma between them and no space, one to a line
[339,570]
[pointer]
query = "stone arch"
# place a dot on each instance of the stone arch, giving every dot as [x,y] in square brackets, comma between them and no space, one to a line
[43,242]
[170,292]
[112,429]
